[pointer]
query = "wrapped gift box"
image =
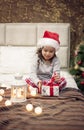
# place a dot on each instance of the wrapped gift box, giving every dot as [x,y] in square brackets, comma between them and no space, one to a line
[31,86]
[50,90]
[33,89]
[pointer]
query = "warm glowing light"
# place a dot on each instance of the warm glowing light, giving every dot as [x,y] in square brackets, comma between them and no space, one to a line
[18,89]
[29,107]
[38,110]
[1,91]
[33,93]
[19,94]
[1,98]
[8,103]
[14,91]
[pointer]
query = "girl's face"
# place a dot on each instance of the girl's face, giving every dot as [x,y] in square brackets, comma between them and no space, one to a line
[48,52]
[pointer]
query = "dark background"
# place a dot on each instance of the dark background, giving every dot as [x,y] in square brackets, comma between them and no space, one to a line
[41,11]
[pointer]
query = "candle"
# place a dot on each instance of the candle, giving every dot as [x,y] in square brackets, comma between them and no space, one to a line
[29,107]
[19,93]
[38,110]
[8,103]
[33,93]
[1,98]
[1,91]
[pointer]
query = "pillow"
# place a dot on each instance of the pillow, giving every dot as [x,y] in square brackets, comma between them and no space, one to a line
[16,59]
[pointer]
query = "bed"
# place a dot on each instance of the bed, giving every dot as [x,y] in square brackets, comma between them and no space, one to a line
[17,46]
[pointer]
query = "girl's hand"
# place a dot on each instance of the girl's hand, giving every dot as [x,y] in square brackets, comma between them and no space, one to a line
[39,86]
[57,77]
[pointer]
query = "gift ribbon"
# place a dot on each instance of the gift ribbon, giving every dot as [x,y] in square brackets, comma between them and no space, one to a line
[51,90]
[51,85]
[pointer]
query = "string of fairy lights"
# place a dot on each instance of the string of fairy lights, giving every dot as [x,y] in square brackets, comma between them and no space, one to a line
[29,107]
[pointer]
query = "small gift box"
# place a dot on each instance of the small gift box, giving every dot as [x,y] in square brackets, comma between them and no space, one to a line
[33,89]
[31,86]
[50,90]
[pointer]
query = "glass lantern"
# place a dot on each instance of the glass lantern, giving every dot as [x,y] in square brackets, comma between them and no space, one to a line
[18,89]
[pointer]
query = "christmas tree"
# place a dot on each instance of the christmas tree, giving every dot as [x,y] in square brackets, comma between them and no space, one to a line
[77,66]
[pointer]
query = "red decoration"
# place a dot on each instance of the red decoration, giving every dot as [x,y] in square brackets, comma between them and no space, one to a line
[82,83]
[79,62]
[82,74]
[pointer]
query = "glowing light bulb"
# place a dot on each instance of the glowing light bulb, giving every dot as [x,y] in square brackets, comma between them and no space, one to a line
[38,110]
[8,103]
[1,91]
[29,107]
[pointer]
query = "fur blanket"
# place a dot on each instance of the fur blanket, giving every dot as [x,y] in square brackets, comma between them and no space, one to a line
[65,112]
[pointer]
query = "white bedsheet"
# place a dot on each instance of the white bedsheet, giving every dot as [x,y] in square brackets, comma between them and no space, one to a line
[70,80]
[6,79]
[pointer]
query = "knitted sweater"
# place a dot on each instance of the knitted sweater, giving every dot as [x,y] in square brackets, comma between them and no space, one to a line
[43,70]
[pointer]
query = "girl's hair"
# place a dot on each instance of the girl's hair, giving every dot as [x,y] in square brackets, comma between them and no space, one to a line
[39,53]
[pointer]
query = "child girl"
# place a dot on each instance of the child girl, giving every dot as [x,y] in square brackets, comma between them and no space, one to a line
[46,63]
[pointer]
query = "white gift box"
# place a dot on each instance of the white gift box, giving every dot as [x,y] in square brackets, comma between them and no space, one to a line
[50,91]
[33,89]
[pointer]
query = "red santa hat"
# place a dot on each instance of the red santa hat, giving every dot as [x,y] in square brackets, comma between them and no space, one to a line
[50,39]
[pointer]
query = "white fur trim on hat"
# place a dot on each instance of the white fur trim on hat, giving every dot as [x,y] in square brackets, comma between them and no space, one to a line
[48,42]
